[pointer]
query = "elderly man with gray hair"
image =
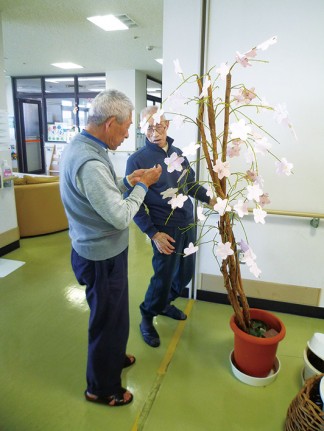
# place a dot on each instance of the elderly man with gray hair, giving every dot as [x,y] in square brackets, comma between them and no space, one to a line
[98,218]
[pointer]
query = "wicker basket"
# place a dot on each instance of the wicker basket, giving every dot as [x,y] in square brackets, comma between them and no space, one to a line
[303,414]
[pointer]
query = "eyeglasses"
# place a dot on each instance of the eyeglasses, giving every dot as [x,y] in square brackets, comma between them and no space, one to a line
[158,128]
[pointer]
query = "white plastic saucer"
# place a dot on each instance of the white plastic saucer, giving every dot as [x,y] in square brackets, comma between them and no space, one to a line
[255,381]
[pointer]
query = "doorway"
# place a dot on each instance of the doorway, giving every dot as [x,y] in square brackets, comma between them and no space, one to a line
[30,143]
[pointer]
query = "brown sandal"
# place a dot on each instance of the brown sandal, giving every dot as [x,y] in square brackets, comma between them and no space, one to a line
[129,360]
[115,400]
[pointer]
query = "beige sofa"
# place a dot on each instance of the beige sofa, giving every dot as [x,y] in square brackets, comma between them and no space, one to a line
[39,206]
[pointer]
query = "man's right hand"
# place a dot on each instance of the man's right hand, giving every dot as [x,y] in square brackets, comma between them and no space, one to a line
[163,242]
[151,176]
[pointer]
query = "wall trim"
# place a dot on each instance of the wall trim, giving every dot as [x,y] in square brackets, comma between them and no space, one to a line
[9,239]
[280,307]
[9,247]
[266,290]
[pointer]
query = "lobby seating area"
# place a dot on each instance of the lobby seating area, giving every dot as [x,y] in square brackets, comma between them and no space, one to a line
[39,207]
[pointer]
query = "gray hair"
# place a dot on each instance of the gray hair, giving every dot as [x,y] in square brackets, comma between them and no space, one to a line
[149,111]
[107,104]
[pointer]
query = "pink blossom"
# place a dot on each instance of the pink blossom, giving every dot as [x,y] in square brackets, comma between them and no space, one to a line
[245,96]
[243,245]
[222,206]
[251,175]
[242,59]
[190,249]
[284,167]
[157,116]
[259,181]
[259,215]
[222,169]
[207,84]
[255,270]
[249,156]
[190,150]
[174,162]
[209,192]
[264,200]
[224,250]
[223,70]
[251,54]
[254,192]
[233,149]
[262,146]
[240,130]
[241,208]
[281,113]
[178,201]
[265,45]
[248,256]
[169,193]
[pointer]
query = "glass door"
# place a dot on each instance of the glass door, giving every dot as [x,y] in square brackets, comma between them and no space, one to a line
[31,146]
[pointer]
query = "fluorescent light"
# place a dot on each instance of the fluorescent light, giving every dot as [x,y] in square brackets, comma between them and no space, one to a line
[67,65]
[108,22]
[159,60]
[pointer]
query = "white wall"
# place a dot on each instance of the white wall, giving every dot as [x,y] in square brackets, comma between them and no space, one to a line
[133,84]
[288,249]
[8,217]
[182,41]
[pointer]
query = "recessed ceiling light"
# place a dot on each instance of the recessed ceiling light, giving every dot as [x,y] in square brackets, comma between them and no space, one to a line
[159,60]
[108,22]
[67,65]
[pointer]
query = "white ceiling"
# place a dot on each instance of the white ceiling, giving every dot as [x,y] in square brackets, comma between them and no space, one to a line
[37,33]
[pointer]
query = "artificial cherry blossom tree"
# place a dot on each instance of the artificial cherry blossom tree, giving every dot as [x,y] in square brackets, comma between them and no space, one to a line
[225,131]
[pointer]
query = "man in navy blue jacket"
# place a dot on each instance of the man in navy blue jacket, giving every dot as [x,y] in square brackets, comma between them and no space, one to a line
[172,272]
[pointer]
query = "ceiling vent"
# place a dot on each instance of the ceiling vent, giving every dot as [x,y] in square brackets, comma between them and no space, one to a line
[125,19]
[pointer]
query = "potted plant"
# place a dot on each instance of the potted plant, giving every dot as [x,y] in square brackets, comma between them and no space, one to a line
[226,130]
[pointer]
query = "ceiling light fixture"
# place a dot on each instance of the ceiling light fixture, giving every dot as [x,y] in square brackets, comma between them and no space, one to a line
[108,22]
[67,65]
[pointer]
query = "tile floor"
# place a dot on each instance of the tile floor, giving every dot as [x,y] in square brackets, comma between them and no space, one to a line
[185,384]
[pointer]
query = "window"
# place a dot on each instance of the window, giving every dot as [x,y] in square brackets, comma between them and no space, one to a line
[153,92]
[65,101]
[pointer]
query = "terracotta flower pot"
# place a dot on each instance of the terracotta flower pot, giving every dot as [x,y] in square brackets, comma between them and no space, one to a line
[255,356]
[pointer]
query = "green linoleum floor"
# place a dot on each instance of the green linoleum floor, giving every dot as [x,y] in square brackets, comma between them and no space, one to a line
[185,384]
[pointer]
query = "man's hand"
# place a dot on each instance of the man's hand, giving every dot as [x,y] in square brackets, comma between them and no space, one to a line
[146,176]
[135,177]
[151,176]
[163,242]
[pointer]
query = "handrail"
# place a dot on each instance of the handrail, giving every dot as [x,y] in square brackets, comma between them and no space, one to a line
[295,214]
[292,213]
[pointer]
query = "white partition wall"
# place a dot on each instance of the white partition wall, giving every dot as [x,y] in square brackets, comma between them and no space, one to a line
[289,250]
